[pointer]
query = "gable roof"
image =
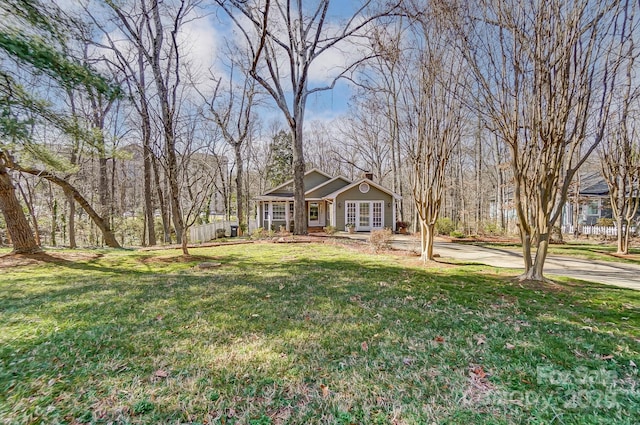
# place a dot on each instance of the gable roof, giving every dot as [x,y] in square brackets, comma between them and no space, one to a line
[356,183]
[593,184]
[290,182]
[328,182]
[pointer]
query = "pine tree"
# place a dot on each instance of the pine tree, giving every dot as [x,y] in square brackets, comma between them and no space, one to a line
[280,166]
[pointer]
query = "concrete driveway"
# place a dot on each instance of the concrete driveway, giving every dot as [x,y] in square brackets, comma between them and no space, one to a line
[610,273]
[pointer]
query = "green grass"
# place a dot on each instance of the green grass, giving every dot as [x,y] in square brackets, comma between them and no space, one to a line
[309,334]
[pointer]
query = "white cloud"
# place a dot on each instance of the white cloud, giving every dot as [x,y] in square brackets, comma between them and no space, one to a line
[199,40]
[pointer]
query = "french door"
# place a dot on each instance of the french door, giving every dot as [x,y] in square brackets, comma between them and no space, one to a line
[366,215]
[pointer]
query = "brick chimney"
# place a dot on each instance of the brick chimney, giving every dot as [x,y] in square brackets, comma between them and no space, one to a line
[368,175]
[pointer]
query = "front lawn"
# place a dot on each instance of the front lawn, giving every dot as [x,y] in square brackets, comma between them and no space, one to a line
[308,334]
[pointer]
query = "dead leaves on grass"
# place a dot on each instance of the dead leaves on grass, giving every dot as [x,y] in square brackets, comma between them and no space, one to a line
[160,374]
[325,390]
[478,386]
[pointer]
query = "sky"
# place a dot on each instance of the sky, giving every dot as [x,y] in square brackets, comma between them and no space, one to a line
[204,40]
[325,105]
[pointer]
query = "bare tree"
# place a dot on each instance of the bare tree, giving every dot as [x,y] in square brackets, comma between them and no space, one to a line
[436,96]
[153,26]
[620,149]
[385,78]
[544,73]
[231,108]
[286,38]
[200,173]
[133,66]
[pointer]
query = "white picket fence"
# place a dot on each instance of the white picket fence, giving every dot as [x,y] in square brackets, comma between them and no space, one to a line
[595,230]
[209,231]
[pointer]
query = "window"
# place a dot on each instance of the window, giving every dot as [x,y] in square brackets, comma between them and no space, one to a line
[364,187]
[278,211]
[314,211]
[593,208]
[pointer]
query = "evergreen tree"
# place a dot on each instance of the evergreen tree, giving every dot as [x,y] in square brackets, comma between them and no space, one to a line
[280,165]
[34,42]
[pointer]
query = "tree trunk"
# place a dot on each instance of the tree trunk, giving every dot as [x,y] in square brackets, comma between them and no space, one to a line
[242,220]
[427,235]
[166,227]
[535,272]
[300,209]
[183,242]
[174,187]
[72,222]
[148,195]
[525,239]
[28,200]
[478,170]
[625,249]
[54,221]
[103,186]
[622,249]
[17,224]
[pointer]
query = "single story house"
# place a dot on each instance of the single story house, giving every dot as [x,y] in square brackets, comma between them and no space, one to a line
[591,204]
[330,201]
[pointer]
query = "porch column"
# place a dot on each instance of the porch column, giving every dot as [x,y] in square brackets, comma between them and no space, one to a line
[286,216]
[270,214]
[393,214]
[258,214]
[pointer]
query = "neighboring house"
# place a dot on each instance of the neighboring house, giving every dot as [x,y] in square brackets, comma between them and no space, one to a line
[330,201]
[591,204]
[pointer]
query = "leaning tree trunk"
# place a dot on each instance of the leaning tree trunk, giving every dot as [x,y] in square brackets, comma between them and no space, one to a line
[69,190]
[17,224]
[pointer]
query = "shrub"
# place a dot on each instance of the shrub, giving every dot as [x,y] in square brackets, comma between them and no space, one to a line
[605,222]
[282,231]
[330,230]
[380,239]
[491,229]
[444,226]
[457,234]
[261,233]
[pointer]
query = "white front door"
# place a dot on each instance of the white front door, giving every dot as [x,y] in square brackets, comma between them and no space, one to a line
[316,214]
[366,215]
